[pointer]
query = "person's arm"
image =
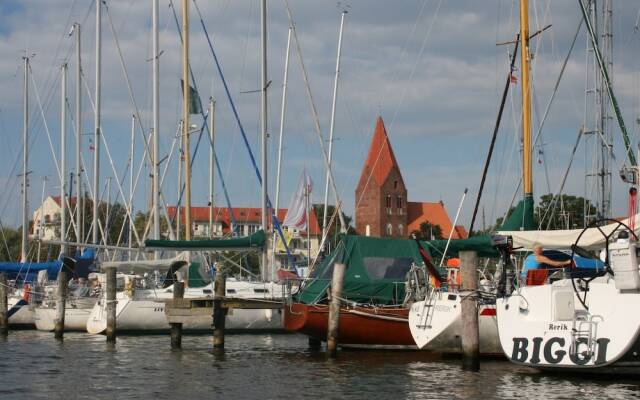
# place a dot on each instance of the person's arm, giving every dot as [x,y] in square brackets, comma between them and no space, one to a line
[557,264]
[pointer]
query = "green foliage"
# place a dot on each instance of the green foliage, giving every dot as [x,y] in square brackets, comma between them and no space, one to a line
[334,228]
[428,231]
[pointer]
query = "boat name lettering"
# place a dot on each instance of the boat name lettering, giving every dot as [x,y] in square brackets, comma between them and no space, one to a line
[555,349]
[558,327]
[442,308]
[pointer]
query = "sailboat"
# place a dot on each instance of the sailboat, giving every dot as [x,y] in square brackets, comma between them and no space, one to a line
[580,321]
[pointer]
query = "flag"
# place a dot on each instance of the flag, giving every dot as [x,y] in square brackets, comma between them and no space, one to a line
[195,106]
[297,212]
[280,247]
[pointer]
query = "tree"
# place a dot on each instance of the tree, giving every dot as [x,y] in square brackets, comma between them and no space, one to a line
[10,247]
[428,231]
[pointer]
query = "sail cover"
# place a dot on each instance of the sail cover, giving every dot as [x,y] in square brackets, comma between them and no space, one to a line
[256,240]
[592,239]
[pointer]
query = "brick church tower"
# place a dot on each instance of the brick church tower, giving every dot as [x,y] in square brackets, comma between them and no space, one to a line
[381,196]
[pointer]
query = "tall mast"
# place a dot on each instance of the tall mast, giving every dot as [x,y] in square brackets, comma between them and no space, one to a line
[131,164]
[156,124]
[283,107]
[333,124]
[97,133]
[63,159]
[526,99]
[78,112]
[212,154]
[25,160]
[263,121]
[185,119]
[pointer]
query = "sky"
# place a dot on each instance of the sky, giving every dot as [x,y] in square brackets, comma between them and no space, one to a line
[430,68]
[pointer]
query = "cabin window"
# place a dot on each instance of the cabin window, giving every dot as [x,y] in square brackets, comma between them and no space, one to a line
[387,267]
[257,290]
[389,229]
[231,291]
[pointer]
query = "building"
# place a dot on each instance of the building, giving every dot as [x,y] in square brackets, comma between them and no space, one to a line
[248,220]
[382,208]
[46,219]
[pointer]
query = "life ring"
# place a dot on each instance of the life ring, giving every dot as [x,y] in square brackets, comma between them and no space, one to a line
[26,292]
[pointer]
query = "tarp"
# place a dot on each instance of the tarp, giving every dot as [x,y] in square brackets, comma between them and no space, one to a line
[256,240]
[592,239]
[479,244]
[521,219]
[142,266]
[28,272]
[375,273]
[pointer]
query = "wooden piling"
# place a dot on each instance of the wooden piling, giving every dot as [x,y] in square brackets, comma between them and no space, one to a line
[337,282]
[219,313]
[63,283]
[176,328]
[469,309]
[111,304]
[4,305]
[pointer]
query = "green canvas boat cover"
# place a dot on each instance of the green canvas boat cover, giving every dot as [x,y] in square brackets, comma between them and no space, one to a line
[479,244]
[376,270]
[256,240]
[197,276]
[521,219]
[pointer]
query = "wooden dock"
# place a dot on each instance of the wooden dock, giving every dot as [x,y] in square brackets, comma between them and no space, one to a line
[180,310]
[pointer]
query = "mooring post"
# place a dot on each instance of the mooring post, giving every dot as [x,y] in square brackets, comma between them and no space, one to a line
[176,327]
[337,282]
[63,284]
[111,304]
[469,310]
[4,304]
[219,313]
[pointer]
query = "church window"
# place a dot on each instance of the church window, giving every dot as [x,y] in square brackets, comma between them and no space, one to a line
[389,204]
[400,230]
[389,230]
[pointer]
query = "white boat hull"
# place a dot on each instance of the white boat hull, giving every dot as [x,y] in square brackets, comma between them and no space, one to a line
[145,313]
[546,327]
[21,313]
[439,329]
[76,315]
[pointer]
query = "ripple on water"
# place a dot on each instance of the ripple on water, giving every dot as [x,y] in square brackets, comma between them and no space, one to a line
[265,367]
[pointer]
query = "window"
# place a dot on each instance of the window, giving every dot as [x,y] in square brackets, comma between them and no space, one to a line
[395,184]
[389,230]
[389,204]
[387,267]
[367,230]
[400,230]
[399,204]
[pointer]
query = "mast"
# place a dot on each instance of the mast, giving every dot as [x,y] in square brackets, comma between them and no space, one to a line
[263,142]
[333,123]
[131,164]
[212,136]
[78,112]
[283,107]
[96,136]
[63,159]
[156,125]
[25,160]
[185,119]
[526,100]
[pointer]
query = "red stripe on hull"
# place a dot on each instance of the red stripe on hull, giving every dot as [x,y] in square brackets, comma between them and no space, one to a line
[382,326]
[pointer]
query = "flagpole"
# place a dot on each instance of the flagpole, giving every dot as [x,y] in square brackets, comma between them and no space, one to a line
[185,119]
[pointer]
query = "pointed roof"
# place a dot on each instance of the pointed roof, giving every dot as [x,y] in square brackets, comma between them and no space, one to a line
[381,160]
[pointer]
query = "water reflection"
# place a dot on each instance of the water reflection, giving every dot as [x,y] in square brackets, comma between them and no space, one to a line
[265,367]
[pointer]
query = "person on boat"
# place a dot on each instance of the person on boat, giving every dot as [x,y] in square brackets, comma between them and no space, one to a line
[539,260]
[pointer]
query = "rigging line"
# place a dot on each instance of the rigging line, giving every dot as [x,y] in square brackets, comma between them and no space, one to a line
[203,127]
[403,53]
[274,217]
[415,65]
[113,167]
[314,112]
[561,188]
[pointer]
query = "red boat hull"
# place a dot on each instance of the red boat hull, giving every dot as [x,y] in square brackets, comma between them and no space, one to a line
[365,326]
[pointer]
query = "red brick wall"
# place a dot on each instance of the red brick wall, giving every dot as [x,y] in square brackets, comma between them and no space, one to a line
[372,207]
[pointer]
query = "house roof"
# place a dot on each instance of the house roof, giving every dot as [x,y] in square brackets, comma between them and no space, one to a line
[241,215]
[435,214]
[380,160]
[72,200]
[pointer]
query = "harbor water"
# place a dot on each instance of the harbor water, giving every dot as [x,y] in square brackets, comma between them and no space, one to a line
[33,365]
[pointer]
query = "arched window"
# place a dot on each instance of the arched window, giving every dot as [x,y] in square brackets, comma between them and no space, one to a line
[400,230]
[389,204]
[389,230]
[367,230]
